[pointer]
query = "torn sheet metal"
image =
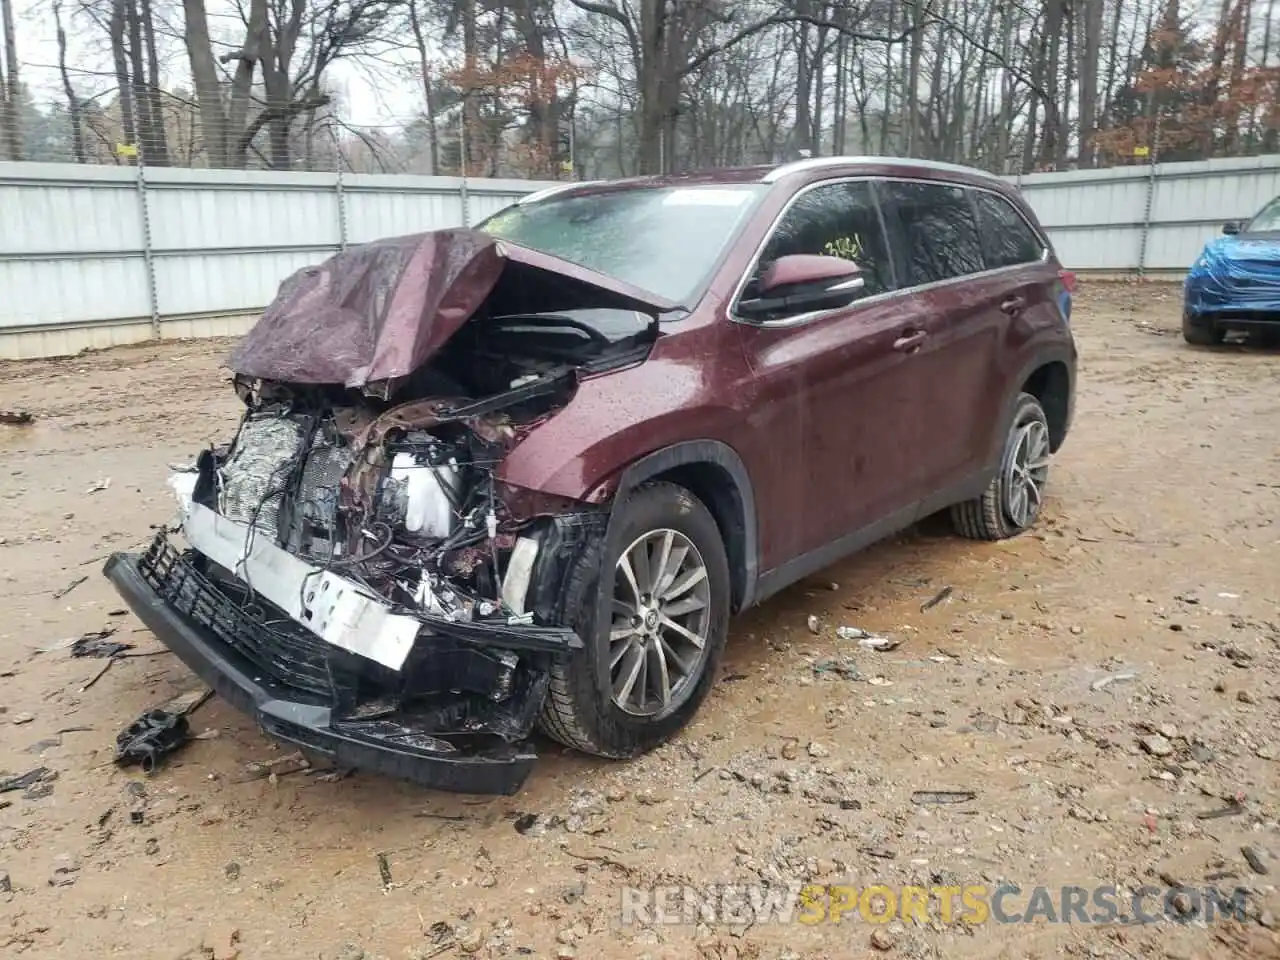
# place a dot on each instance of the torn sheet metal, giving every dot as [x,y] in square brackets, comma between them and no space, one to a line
[337,610]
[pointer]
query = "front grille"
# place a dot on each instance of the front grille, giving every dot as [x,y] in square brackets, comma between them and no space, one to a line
[264,635]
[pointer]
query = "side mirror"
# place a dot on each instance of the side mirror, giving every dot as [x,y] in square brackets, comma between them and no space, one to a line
[1231,228]
[802,282]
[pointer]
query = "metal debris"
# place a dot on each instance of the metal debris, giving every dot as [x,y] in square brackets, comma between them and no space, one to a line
[59,594]
[1103,682]
[1232,810]
[99,675]
[937,598]
[929,797]
[100,485]
[24,780]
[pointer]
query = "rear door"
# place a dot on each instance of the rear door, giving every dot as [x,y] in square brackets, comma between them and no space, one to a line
[964,306]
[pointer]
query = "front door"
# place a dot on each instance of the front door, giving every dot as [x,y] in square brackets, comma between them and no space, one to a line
[834,391]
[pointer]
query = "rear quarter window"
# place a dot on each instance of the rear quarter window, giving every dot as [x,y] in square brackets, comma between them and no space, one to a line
[937,234]
[1007,238]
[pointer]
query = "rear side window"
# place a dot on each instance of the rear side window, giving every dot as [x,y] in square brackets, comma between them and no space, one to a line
[1008,239]
[936,230]
[838,220]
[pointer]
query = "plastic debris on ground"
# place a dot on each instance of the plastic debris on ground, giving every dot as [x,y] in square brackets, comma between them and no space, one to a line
[96,644]
[151,738]
[868,640]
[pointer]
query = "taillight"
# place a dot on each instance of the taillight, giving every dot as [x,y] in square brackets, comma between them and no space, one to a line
[1068,280]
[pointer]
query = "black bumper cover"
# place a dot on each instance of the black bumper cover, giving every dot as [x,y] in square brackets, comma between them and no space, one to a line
[291,716]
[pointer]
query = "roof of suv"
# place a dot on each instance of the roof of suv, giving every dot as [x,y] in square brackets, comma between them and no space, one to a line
[767,173]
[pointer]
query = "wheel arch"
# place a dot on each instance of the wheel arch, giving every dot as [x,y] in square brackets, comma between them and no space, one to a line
[714,473]
[1050,383]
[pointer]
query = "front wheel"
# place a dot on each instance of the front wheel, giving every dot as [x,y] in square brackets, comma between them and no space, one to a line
[652,608]
[1201,333]
[1012,501]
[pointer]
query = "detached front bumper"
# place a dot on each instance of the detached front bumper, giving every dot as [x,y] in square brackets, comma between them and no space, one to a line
[279,679]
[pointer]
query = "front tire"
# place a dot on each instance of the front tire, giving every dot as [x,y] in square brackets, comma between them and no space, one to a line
[1201,334]
[652,608]
[1013,500]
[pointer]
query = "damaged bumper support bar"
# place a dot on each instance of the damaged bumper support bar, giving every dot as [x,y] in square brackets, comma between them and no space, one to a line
[212,633]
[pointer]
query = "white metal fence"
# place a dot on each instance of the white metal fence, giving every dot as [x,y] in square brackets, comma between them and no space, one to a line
[1147,219]
[96,256]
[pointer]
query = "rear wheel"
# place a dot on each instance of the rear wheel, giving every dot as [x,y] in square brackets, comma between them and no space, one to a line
[1012,501]
[652,608]
[1201,333]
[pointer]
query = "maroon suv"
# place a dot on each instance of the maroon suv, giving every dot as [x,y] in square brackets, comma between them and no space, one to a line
[521,475]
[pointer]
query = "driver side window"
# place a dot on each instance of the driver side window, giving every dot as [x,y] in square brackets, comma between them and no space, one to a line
[834,220]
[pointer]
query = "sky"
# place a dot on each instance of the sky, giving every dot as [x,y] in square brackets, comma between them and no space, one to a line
[373,95]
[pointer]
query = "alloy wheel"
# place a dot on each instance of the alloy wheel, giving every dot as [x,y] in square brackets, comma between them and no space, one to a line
[661,610]
[1026,471]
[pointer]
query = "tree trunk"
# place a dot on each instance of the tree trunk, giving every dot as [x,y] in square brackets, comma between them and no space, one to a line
[73,102]
[804,86]
[652,86]
[910,90]
[1004,124]
[120,60]
[1240,38]
[428,95]
[214,134]
[888,84]
[1029,143]
[1049,141]
[11,88]
[1112,62]
[470,105]
[150,142]
[155,96]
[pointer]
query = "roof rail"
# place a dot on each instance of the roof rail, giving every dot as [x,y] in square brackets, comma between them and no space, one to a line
[819,163]
[552,191]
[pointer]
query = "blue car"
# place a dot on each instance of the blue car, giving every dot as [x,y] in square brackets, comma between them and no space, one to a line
[1235,282]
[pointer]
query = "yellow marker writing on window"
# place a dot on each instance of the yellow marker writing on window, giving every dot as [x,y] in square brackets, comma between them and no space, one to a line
[848,248]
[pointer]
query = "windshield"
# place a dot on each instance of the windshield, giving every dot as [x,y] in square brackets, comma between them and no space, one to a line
[1267,220]
[665,240]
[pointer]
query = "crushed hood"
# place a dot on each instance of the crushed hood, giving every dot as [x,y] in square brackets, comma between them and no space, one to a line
[376,312]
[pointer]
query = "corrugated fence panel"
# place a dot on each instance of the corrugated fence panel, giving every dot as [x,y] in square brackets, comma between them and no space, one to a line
[1096,217]
[73,270]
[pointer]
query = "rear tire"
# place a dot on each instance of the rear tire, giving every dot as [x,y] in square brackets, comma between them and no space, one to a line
[1012,501]
[1201,334]
[637,618]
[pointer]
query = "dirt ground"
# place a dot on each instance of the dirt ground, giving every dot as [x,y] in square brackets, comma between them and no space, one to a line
[1145,606]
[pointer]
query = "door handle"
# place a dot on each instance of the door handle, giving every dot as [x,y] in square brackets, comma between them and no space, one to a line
[1013,305]
[910,342]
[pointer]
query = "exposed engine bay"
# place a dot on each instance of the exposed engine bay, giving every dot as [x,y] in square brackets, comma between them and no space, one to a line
[379,527]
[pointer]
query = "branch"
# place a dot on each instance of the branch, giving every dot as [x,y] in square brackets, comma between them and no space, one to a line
[785,18]
[613,13]
[271,114]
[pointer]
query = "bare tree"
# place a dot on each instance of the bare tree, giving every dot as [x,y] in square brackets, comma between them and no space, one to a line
[10,87]
[74,110]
